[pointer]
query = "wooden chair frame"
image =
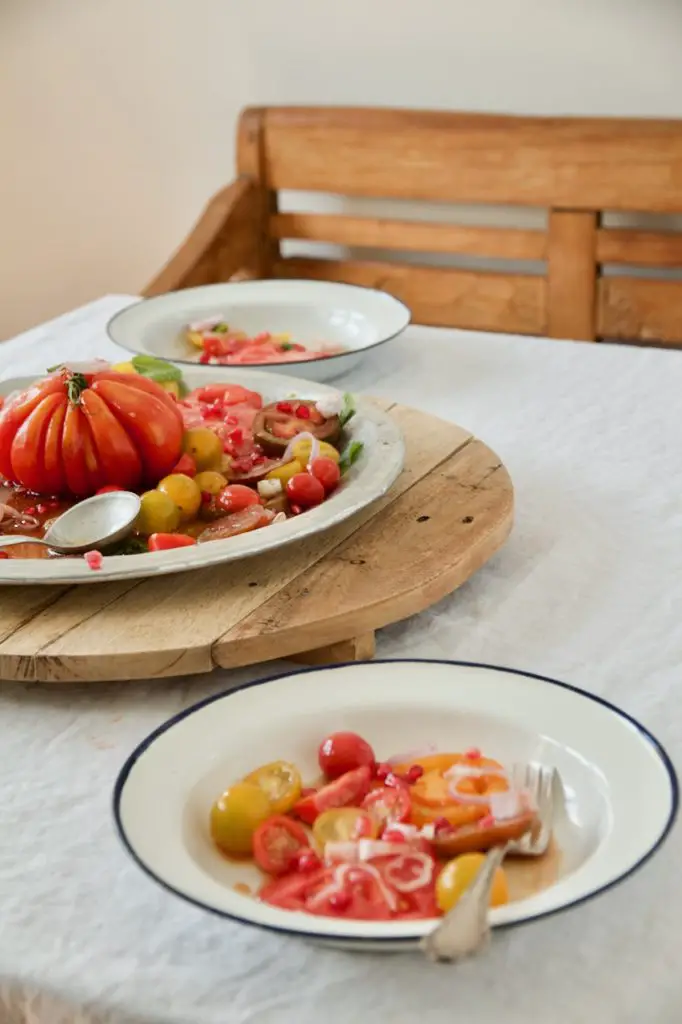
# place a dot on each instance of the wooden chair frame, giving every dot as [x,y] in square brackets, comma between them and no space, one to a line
[575,168]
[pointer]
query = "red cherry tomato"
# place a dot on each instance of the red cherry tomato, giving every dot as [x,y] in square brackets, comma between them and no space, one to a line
[277,844]
[236,497]
[341,752]
[168,541]
[326,471]
[109,488]
[388,805]
[305,490]
[350,788]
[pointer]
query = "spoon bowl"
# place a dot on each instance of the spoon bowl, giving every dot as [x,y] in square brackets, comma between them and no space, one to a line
[91,524]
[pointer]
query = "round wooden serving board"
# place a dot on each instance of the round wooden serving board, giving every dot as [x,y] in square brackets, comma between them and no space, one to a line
[316,601]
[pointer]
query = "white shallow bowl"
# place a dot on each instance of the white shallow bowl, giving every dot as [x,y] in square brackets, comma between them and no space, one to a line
[314,313]
[377,468]
[609,764]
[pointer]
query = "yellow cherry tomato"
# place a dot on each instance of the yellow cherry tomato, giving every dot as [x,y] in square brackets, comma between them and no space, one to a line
[281,783]
[195,338]
[285,473]
[158,514]
[124,368]
[301,451]
[185,492]
[205,447]
[236,815]
[171,386]
[342,824]
[210,482]
[457,876]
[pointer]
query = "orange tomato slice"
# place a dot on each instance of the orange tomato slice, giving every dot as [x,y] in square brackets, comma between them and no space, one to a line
[456,814]
[433,789]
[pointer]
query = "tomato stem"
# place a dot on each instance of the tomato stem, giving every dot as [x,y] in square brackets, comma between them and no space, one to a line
[75,385]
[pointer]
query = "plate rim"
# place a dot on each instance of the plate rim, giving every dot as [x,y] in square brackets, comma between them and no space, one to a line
[264,366]
[401,941]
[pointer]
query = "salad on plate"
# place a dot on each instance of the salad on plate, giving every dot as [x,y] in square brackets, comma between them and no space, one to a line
[373,840]
[219,344]
[209,464]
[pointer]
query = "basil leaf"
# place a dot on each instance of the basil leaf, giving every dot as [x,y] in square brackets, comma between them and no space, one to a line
[285,346]
[348,410]
[129,546]
[156,369]
[350,455]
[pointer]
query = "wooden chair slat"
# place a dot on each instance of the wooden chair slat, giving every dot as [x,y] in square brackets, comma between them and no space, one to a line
[571,285]
[639,309]
[410,236]
[643,248]
[440,297]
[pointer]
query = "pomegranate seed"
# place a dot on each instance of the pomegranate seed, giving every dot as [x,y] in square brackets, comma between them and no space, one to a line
[231,421]
[206,497]
[302,412]
[394,780]
[53,503]
[41,509]
[415,773]
[487,822]
[286,407]
[205,357]
[306,861]
[93,559]
[473,754]
[30,511]
[392,835]
[340,900]
[237,436]
[295,510]
[382,770]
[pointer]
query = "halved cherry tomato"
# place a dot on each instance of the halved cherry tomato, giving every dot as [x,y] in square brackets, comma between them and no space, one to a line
[326,471]
[277,843]
[305,490]
[281,783]
[388,805]
[350,788]
[457,876]
[168,541]
[343,824]
[341,752]
[236,497]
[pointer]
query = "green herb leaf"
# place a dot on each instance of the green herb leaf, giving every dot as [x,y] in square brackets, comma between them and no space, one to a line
[348,410]
[222,328]
[285,346]
[350,455]
[129,546]
[156,369]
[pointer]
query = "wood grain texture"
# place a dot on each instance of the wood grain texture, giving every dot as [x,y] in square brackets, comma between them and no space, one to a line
[639,309]
[223,242]
[562,162]
[572,285]
[251,162]
[643,248]
[478,300]
[406,235]
[148,629]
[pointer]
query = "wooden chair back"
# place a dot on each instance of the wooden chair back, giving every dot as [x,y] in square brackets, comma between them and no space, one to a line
[575,168]
[546,282]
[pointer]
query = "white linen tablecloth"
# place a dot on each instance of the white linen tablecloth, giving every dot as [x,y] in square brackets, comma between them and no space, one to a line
[588,589]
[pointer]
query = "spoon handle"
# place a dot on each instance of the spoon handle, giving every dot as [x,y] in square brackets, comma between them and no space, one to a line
[17,538]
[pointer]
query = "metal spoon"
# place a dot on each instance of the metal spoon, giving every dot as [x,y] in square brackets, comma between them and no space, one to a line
[89,525]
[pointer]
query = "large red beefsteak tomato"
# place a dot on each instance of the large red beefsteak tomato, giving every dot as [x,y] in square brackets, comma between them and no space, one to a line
[73,433]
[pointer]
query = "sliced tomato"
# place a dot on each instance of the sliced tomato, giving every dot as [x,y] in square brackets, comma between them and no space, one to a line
[277,843]
[228,394]
[388,805]
[169,541]
[343,824]
[291,891]
[281,783]
[348,789]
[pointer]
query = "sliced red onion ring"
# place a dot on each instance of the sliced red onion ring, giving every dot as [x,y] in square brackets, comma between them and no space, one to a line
[422,878]
[369,869]
[412,756]
[304,435]
[12,513]
[458,772]
[504,806]
[206,325]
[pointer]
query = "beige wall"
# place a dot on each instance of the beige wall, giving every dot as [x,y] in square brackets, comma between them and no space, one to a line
[117,116]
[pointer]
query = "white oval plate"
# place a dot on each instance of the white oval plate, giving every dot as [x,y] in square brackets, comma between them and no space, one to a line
[370,478]
[314,313]
[608,763]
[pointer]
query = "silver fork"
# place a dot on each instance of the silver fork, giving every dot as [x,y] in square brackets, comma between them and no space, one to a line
[465,929]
